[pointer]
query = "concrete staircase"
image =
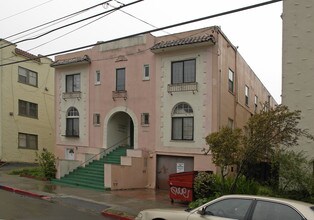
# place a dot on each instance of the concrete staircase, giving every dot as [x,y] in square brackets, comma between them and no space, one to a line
[92,175]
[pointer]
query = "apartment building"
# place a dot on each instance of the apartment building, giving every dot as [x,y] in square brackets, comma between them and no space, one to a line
[297,65]
[158,96]
[26,105]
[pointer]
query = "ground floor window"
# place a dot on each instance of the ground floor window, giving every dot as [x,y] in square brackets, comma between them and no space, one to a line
[28,141]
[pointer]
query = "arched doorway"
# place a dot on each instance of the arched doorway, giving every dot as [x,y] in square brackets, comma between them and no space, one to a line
[120,130]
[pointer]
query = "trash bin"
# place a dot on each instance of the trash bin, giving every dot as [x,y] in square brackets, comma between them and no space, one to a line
[181,186]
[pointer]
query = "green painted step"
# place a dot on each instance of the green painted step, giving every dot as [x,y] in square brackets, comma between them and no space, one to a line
[92,175]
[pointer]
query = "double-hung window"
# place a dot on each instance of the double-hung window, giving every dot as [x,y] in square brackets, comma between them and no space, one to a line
[27,76]
[247,93]
[231,81]
[73,83]
[182,122]
[145,119]
[146,72]
[183,71]
[120,79]
[28,109]
[28,141]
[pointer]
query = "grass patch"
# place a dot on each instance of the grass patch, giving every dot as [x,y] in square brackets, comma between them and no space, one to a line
[31,172]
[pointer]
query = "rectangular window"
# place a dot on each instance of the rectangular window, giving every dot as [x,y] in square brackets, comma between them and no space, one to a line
[230,123]
[120,79]
[72,127]
[28,109]
[247,93]
[28,141]
[231,81]
[27,76]
[97,77]
[73,83]
[182,128]
[255,103]
[146,72]
[183,71]
[145,119]
[96,119]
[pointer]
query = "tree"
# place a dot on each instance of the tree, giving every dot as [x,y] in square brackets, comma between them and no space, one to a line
[263,136]
[47,163]
[225,147]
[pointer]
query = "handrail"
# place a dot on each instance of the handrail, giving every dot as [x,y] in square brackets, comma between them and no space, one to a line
[103,151]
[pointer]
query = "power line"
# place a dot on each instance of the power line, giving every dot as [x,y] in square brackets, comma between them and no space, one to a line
[151,31]
[58,19]
[21,12]
[70,24]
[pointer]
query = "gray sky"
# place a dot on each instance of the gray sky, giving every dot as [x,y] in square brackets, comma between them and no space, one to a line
[257,32]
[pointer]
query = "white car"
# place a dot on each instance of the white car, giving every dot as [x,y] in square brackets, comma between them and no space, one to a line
[240,207]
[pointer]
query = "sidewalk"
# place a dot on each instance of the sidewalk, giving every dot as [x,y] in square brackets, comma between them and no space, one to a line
[120,202]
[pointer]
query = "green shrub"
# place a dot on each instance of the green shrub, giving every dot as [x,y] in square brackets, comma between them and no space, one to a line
[47,163]
[203,185]
[31,171]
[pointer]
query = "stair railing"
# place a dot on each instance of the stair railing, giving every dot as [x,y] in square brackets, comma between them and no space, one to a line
[104,151]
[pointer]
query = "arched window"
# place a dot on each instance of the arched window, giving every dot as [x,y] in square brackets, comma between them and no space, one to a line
[182,122]
[72,122]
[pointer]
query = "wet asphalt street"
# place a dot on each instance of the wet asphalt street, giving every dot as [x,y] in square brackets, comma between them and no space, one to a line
[14,206]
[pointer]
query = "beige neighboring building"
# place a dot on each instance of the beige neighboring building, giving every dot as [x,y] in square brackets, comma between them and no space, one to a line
[298,64]
[26,105]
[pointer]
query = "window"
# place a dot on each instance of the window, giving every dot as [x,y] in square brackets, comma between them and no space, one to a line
[145,119]
[255,103]
[28,109]
[72,122]
[96,119]
[183,71]
[270,210]
[120,79]
[146,72]
[231,81]
[97,77]
[28,141]
[27,76]
[246,95]
[73,83]
[182,122]
[229,208]
[230,123]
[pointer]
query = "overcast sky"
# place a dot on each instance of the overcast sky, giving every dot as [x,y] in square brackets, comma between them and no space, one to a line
[257,32]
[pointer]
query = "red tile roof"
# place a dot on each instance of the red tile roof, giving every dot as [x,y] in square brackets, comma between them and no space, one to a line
[184,41]
[74,60]
[26,54]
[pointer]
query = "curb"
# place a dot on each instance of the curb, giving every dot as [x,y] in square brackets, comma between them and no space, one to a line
[25,193]
[116,216]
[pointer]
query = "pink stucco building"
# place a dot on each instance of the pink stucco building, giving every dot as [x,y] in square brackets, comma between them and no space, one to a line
[158,96]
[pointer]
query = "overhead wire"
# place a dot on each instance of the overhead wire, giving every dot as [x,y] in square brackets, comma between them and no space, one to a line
[58,19]
[67,25]
[21,12]
[150,31]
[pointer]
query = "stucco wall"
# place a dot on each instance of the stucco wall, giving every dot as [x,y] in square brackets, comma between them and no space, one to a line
[11,122]
[297,65]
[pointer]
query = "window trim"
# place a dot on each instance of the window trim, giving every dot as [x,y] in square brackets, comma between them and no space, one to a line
[146,77]
[124,84]
[231,81]
[27,76]
[97,77]
[144,120]
[73,83]
[27,135]
[183,79]
[247,94]
[28,109]
[72,118]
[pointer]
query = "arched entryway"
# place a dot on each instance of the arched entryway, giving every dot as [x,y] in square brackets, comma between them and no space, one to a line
[120,130]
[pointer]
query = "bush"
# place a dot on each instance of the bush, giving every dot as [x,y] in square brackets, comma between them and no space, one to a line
[203,185]
[28,171]
[47,163]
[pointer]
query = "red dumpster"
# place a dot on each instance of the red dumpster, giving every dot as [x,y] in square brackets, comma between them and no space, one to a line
[181,186]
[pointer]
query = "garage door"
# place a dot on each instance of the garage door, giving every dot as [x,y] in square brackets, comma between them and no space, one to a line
[171,164]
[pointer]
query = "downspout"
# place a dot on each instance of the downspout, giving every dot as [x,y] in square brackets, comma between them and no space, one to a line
[236,97]
[1,100]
